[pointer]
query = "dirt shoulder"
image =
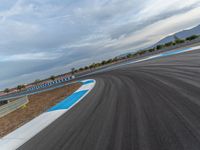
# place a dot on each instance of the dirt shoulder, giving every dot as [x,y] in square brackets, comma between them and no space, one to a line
[38,103]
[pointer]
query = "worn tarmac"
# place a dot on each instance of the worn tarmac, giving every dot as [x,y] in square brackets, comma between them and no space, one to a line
[150,105]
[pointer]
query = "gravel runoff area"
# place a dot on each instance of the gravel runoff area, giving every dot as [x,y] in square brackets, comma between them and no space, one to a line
[38,103]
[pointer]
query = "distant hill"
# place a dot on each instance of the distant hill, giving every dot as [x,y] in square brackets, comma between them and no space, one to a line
[183,34]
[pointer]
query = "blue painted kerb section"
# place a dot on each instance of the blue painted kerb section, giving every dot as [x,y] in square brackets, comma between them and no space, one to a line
[174,52]
[69,101]
[87,82]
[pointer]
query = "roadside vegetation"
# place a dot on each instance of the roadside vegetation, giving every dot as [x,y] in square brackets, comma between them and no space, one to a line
[52,77]
[177,41]
[20,87]
[92,66]
[6,90]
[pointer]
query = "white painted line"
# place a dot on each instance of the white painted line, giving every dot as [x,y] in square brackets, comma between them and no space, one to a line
[15,139]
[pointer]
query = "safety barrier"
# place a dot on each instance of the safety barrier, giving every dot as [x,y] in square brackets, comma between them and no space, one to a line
[24,133]
[12,106]
[49,84]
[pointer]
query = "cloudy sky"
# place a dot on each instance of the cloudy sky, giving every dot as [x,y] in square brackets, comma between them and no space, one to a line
[39,38]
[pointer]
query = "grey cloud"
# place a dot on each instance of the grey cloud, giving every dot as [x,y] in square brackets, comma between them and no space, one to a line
[79,31]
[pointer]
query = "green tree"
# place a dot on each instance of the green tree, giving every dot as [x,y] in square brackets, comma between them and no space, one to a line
[6,90]
[52,77]
[158,47]
[86,68]
[193,37]
[109,61]
[151,50]
[98,64]
[168,44]
[20,87]
[115,59]
[142,52]
[81,69]
[179,41]
[92,66]
[103,62]
[129,56]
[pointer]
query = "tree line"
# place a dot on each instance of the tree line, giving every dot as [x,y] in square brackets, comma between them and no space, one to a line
[139,53]
[116,59]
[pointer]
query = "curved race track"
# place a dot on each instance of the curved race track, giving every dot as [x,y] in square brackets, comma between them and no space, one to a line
[151,105]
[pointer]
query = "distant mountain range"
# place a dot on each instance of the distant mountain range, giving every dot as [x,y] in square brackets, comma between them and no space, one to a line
[182,34]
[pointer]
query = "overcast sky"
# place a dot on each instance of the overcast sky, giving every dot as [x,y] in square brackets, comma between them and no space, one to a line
[39,38]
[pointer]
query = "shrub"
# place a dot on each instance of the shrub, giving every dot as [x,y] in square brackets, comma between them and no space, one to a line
[86,67]
[179,41]
[103,62]
[158,47]
[168,44]
[52,77]
[19,87]
[129,56]
[81,69]
[190,38]
[6,90]
[142,52]
[151,50]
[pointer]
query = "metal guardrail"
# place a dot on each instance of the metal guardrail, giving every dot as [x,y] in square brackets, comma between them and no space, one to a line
[12,106]
[28,92]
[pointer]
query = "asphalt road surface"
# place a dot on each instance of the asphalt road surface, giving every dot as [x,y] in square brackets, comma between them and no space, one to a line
[151,105]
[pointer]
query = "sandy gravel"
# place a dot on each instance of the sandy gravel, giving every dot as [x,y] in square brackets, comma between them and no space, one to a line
[38,103]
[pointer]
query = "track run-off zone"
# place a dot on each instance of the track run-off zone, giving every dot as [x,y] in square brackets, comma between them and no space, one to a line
[21,135]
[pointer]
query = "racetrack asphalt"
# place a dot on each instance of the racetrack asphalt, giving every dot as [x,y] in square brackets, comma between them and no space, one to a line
[150,105]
